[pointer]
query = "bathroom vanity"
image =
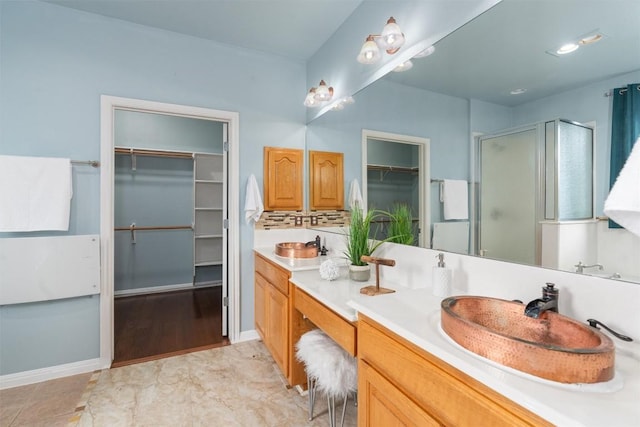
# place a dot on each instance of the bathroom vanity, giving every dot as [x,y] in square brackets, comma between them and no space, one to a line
[411,372]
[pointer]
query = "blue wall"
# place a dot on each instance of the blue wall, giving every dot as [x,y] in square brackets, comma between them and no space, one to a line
[391,107]
[56,62]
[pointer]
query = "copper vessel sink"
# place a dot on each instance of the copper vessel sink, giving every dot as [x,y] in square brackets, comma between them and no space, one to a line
[553,346]
[296,250]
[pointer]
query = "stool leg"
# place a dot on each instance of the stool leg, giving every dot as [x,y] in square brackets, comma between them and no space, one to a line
[311,384]
[344,409]
[332,410]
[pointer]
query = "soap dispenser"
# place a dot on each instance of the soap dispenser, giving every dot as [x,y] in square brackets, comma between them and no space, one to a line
[441,278]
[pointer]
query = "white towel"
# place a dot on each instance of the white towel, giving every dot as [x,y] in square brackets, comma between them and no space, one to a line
[35,193]
[623,203]
[455,198]
[253,206]
[451,236]
[355,196]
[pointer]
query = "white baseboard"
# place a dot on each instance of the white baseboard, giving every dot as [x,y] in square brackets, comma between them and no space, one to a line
[152,290]
[50,373]
[247,336]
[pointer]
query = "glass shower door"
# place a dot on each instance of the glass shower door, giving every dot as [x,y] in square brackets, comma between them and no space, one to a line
[508,194]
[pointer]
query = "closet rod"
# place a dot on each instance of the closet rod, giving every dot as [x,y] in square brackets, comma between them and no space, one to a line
[392,168]
[133,228]
[154,153]
[159,227]
[93,163]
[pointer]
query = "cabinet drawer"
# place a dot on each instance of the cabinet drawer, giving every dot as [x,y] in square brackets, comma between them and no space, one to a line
[445,393]
[275,275]
[342,331]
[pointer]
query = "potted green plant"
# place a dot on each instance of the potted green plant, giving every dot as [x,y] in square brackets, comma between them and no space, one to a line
[358,243]
[401,225]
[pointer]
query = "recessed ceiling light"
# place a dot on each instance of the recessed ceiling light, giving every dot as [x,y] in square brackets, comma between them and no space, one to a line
[567,48]
[591,39]
[518,91]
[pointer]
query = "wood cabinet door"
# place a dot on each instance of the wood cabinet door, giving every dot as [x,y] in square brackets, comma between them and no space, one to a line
[283,179]
[382,404]
[326,180]
[277,324]
[260,303]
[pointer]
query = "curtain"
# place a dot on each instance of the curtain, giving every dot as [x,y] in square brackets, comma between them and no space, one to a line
[625,129]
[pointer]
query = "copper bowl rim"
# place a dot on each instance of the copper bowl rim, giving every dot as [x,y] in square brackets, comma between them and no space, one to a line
[606,344]
[295,250]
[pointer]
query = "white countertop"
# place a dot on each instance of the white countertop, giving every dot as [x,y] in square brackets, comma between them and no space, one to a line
[291,264]
[414,314]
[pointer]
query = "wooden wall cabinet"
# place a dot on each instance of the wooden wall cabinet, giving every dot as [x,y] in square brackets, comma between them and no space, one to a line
[277,322]
[283,179]
[401,384]
[326,180]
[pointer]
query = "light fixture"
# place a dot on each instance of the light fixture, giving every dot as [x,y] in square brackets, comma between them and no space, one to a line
[370,52]
[428,51]
[390,40]
[318,95]
[584,40]
[567,48]
[518,91]
[310,100]
[407,65]
[347,100]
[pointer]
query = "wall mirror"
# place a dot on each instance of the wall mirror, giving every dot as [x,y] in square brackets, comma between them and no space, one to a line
[464,89]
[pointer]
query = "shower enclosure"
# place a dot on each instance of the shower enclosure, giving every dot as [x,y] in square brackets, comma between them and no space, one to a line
[527,176]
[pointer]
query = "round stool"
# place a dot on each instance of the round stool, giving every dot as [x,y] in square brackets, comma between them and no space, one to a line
[329,369]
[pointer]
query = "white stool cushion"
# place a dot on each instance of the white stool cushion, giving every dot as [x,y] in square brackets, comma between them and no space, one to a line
[335,370]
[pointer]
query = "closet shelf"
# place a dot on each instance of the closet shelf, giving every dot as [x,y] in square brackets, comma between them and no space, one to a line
[209,236]
[207,209]
[208,263]
[153,153]
[208,181]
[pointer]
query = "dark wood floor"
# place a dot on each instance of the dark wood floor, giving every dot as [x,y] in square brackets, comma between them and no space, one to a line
[148,327]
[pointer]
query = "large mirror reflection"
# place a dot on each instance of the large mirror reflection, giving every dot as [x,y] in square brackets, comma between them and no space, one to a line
[500,74]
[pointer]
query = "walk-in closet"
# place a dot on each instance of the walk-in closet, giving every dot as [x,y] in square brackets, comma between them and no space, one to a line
[393,177]
[170,205]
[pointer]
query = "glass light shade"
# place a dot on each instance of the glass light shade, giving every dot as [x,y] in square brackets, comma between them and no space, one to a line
[428,51]
[369,53]
[391,37]
[407,65]
[310,100]
[323,93]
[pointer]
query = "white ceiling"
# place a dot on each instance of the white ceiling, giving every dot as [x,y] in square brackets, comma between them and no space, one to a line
[295,29]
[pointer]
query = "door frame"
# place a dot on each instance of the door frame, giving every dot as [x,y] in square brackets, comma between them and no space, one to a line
[424,215]
[108,105]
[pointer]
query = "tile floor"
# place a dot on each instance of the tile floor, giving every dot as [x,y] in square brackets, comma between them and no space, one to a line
[47,404]
[236,385]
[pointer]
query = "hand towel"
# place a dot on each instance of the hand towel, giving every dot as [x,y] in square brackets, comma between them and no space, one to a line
[355,196]
[451,236]
[253,206]
[456,200]
[623,203]
[35,193]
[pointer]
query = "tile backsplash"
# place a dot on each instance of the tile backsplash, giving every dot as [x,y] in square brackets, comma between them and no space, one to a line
[301,219]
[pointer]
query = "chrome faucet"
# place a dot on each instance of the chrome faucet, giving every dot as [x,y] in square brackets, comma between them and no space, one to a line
[548,302]
[580,267]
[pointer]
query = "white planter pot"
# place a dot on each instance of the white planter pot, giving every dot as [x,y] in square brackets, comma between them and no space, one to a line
[359,273]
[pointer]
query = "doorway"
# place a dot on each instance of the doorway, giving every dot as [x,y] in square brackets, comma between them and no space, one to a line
[394,171]
[221,268]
